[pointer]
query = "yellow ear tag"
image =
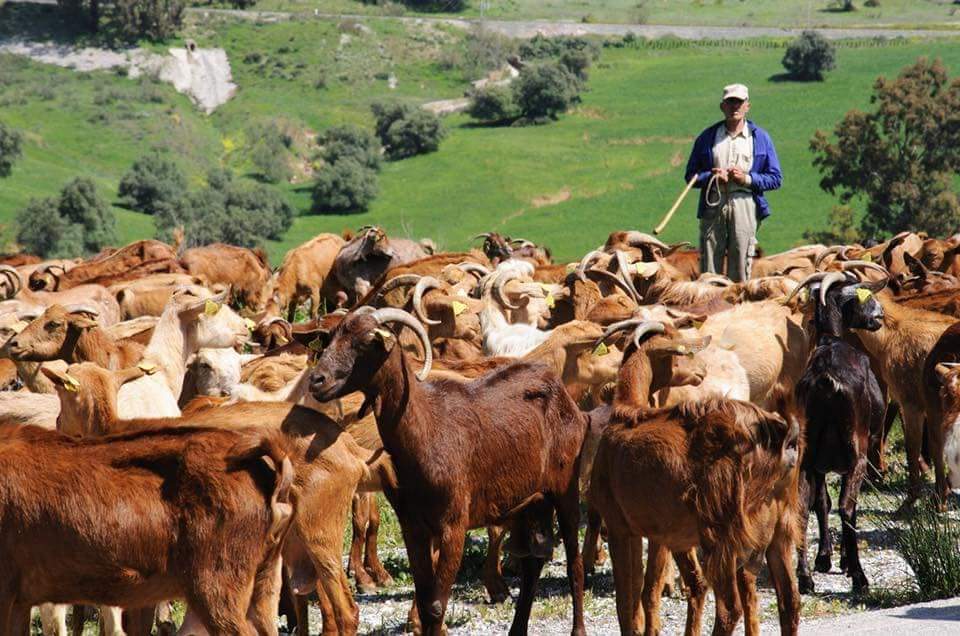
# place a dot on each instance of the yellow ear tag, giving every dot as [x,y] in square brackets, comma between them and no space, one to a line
[458,307]
[641,268]
[383,334]
[867,256]
[551,301]
[281,340]
[697,324]
[70,383]
[804,295]
[601,350]
[681,348]
[315,345]
[863,295]
[250,324]
[147,367]
[211,308]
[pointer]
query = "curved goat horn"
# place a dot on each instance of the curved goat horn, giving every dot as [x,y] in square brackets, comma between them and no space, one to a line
[643,327]
[623,270]
[498,284]
[14,277]
[391,314]
[873,286]
[587,261]
[484,235]
[425,283]
[812,278]
[613,279]
[635,238]
[829,281]
[398,281]
[833,249]
[473,268]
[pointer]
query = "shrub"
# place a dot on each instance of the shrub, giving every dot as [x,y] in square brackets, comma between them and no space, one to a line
[344,186]
[492,103]
[350,142]
[545,90]
[10,149]
[809,56]
[226,211]
[268,152]
[541,47]
[447,6]
[78,221]
[153,178]
[151,19]
[841,228]
[406,131]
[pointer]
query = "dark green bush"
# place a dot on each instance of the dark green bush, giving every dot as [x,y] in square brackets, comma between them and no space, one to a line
[10,148]
[809,56]
[545,90]
[493,104]
[268,152]
[406,131]
[344,186]
[350,142]
[153,178]
[78,221]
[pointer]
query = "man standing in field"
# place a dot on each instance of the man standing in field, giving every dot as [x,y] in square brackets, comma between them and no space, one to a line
[735,163]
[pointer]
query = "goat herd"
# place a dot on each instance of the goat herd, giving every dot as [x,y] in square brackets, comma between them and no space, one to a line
[146,455]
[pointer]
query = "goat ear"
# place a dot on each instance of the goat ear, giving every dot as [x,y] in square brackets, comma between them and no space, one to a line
[945,370]
[688,347]
[315,340]
[916,267]
[684,376]
[54,375]
[82,320]
[122,376]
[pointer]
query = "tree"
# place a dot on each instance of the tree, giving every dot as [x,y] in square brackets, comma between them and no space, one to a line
[901,157]
[76,222]
[226,211]
[10,149]
[269,153]
[151,19]
[545,90]
[809,56]
[492,103]
[841,228]
[350,142]
[344,186]
[406,131]
[153,179]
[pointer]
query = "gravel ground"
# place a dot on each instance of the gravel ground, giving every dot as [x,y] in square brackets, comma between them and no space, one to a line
[385,612]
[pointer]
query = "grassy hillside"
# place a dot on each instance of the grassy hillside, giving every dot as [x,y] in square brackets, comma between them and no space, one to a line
[615,162]
[779,13]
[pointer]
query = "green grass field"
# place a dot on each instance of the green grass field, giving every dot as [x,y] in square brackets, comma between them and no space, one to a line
[614,162]
[778,13]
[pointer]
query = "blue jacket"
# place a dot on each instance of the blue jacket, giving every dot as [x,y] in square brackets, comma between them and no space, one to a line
[764,173]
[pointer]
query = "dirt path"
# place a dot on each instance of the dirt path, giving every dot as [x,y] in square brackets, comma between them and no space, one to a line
[529,28]
[934,618]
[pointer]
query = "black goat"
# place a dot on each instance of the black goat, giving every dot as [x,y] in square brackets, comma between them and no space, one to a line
[844,409]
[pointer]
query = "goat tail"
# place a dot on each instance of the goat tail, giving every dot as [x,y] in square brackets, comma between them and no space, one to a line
[271,452]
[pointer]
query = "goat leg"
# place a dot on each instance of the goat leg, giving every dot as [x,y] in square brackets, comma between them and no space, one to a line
[592,544]
[492,576]
[727,595]
[807,488]
[849,492]
[653,583]
[530,568]
[371,560]
[568,518]
[697,589]
[822,505]
[360,518]
[747,585]
[785,584]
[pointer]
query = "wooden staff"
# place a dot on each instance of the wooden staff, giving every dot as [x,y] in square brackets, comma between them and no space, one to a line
[676,204]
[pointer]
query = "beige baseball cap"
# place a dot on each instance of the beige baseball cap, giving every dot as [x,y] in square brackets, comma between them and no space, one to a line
[736,91]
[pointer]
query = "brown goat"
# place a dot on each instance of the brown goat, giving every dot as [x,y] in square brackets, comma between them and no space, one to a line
[305,274]
[718,474]
[193,491]
[72,335]
[246,271]
[518,416]
[127,263]
[330,467]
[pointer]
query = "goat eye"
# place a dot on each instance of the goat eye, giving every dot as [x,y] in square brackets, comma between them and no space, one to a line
[54,324]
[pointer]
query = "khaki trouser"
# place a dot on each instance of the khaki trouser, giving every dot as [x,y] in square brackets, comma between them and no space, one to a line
[729,231]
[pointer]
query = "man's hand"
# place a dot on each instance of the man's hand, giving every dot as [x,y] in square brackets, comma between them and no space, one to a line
[738,176]
[720,174]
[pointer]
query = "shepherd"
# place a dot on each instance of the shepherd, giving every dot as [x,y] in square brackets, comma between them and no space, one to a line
[734,163]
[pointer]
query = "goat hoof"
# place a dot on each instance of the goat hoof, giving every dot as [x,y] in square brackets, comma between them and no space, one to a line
[805,584]
[382,578]
[822,564]
[860,583]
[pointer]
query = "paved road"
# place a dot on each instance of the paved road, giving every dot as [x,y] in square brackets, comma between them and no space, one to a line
[937,618]
[529,28]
